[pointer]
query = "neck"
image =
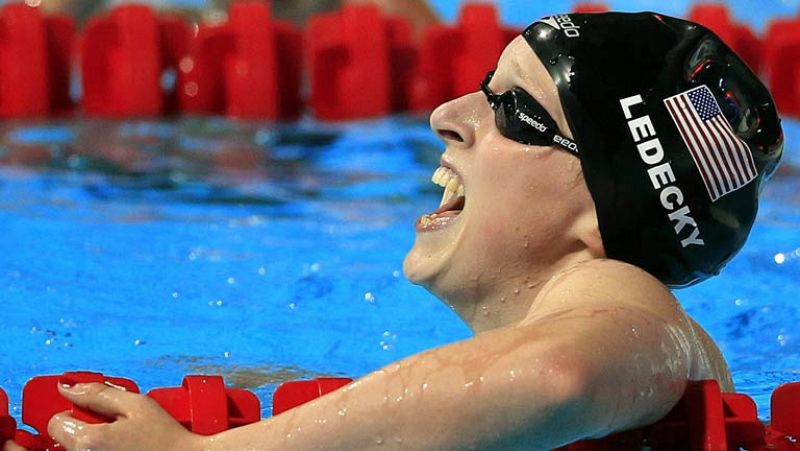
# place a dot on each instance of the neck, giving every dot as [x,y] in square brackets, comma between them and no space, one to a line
[508,300]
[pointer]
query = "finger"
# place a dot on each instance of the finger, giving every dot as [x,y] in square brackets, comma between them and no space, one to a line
[13,446]
[108,400]
[66,430]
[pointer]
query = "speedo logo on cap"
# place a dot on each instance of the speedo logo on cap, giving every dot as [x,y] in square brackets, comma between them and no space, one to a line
[564,23]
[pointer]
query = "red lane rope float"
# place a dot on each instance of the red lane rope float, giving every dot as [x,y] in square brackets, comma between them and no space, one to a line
[123,57]
[703,420]
[454,59]
[41,400]
[35,56]
[202,405]
[8,425]
[350,54]
[292,394]
[589,7]
[359,62]
[248,67]
[782,61]
[205,406]
[739,37]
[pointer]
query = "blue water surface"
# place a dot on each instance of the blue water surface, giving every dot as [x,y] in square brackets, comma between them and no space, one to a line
[270,253]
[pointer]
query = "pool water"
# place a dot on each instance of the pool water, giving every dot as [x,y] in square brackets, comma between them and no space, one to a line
[271,253]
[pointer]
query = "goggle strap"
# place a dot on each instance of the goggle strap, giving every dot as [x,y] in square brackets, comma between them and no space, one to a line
[565,143]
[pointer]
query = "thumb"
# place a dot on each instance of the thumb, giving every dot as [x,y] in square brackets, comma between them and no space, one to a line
[11,445]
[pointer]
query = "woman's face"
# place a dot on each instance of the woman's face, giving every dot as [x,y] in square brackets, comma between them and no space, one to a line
[523,208]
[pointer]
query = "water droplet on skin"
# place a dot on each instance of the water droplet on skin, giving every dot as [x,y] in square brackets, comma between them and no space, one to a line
[379,440]
[516,290]
[342,412]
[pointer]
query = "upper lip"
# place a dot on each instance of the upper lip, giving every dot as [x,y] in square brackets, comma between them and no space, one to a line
[446,163]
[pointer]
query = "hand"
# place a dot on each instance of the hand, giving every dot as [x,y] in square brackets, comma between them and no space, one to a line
[139,422]
[13,446]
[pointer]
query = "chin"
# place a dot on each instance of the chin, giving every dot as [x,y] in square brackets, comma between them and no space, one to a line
[414,268]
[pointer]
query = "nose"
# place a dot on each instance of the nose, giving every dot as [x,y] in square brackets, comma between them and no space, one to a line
[457,121]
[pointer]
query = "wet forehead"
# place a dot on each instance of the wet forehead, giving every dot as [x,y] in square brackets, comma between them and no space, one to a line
[519,66]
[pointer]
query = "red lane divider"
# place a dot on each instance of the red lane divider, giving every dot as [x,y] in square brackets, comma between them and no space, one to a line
[350,55]
[34,62]
[292,394]
[124,56]
[590,8]
[41,400]
[703,420]
[739,37]
[248,67]
[202,404]
[782,61]
[360,63]
[8,426]
[454,60]
[205,406]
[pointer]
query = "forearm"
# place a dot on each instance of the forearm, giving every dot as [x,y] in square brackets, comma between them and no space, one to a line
[456,397]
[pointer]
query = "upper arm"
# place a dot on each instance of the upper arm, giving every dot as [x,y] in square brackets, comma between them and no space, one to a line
[636,343]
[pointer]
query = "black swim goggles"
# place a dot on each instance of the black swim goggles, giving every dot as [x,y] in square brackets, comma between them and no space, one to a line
[519,117]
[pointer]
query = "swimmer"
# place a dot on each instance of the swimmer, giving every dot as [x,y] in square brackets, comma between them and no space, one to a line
[607,158]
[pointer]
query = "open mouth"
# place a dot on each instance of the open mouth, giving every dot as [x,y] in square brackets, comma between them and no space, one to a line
[452,202]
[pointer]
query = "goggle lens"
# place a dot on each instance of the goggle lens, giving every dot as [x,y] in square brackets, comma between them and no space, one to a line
[519,117]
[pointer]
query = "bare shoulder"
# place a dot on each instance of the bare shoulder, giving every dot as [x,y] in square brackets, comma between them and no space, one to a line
[606,282]
[611,284]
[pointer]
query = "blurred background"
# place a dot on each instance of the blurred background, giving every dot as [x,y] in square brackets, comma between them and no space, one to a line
[514,12]
[143,243]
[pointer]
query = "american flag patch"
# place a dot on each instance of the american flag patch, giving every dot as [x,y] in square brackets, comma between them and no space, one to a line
[723,159]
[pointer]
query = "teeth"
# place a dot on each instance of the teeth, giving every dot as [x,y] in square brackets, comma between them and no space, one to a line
[446,195]
[451,183]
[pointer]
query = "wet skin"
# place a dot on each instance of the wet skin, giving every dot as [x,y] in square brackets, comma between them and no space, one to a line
[568,345]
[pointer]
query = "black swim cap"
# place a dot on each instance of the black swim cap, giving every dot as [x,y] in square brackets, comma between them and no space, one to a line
[677,136]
